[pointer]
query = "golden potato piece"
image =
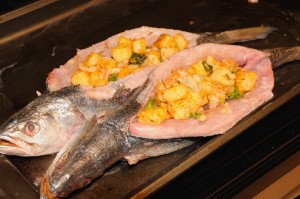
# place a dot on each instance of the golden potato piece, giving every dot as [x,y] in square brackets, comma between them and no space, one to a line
[181,42]
[123,41]
[179,109]
[201,68]
[108,62]
[165,41]
[121,53]
[124,72]
[154,115]
[92,59]
[245,81]
[96,80]
[166,53]
[175,93]
[139,46]
[223,76]
[80,78]
[153,57]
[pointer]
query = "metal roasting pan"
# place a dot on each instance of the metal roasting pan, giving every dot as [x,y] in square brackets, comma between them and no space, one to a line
[44,35]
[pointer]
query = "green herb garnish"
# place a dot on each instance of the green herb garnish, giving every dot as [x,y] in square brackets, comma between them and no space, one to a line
[137,59]
[195,115]
[208,68]
[236,94]
[151,104]
[113,77]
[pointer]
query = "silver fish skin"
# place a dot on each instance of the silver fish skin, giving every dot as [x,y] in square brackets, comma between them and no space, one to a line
[99,146]
[282,55]
[49,121]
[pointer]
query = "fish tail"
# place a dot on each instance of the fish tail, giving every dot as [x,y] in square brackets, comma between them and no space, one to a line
[279,56]
[238,35]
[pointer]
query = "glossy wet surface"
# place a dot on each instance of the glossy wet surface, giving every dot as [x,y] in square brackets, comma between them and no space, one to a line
[26,60]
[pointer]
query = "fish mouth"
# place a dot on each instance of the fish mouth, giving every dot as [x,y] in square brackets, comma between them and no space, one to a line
[45,191]
[13,146]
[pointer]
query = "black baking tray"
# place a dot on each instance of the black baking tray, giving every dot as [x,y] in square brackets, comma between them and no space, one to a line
[42,36]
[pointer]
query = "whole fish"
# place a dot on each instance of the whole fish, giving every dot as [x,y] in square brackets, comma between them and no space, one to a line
[49,121]
[102,144]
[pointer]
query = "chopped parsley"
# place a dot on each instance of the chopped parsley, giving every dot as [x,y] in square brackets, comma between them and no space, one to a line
[113,77]
[151,104]
[236,94]
[195,115]
[137,59]
[208,68]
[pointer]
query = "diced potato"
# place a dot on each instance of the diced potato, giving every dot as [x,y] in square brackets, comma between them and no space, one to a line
[181,42]
[175,93]
[154,115]
[88,68]
[195,101]
[213,62]
[108,62]
[96,80]
[92,59]
[121,53]
[165,41]
[198,68]
[223,76]
[80,78]
[229,64]
[166,53]
[153,57]
[139,46]
[124,72]
[179,109]
[123,41]
[245,81]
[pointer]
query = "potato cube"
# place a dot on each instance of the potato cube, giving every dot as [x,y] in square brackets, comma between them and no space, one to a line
[124,72]
[245,81]
[121,53]
[223,76]
[165,41]
[139,46]
[80,78]
[96,80]
[154,115]
[181,42]
[123,41]
[179,109]
[195,101]
[108,62]
[200,68]
[175,93]
[92,59]
[153,57]
[229,64]
[166,53]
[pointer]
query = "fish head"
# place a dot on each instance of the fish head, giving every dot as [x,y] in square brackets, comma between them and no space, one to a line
[42,127]
[85,156]
[29,136]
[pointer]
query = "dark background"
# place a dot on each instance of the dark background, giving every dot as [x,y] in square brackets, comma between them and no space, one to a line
[26,60]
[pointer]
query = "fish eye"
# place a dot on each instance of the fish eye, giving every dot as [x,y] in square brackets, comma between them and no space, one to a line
[31,128]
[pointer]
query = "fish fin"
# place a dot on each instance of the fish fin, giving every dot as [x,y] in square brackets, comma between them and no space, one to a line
[238,35]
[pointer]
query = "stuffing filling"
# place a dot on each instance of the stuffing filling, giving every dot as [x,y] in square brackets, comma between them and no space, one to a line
[129,56]
[189,93]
